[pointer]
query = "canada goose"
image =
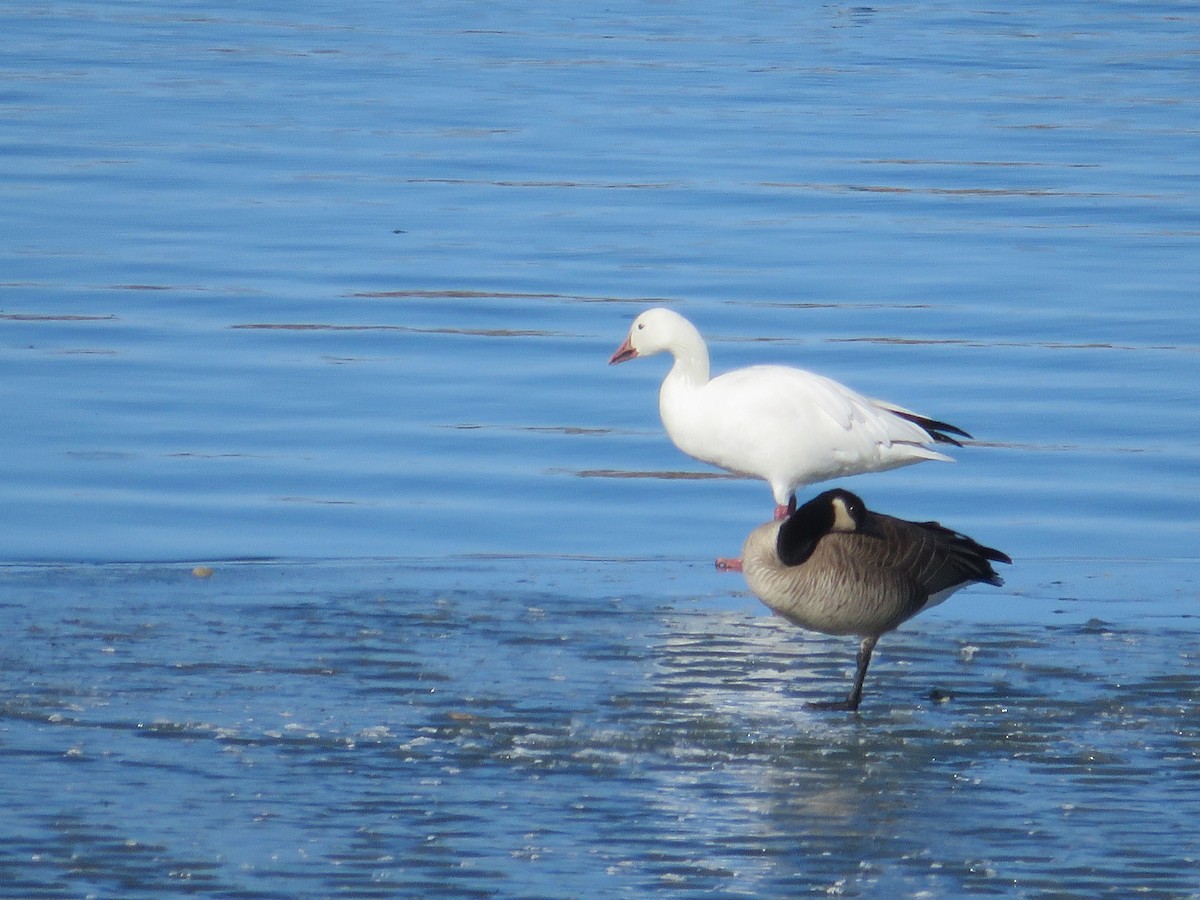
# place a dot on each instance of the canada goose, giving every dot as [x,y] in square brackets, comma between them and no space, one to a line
[784,425]
[836,567]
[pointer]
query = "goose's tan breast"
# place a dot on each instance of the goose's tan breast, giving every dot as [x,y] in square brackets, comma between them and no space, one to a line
[845,587]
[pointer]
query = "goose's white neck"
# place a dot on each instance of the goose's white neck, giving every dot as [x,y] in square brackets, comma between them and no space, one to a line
[691,356]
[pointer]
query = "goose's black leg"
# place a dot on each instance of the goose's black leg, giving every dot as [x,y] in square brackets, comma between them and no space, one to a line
[850,704]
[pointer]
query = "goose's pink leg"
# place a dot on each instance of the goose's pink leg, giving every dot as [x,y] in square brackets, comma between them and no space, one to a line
[733,564]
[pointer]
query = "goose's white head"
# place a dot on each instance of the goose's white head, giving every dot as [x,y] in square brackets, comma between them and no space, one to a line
[655,331]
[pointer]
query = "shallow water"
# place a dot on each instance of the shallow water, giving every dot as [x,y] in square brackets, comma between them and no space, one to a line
[382,728]
[322,299]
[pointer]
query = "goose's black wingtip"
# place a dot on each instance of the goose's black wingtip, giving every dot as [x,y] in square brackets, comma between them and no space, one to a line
[993,555]
[997,556]
[940,432]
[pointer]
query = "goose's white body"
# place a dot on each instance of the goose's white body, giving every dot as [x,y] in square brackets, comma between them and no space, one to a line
[787,426]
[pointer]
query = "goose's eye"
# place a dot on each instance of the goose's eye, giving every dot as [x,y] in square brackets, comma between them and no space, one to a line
[641,325]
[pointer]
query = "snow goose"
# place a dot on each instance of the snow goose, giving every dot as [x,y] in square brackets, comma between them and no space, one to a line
[784,425]
[836,567]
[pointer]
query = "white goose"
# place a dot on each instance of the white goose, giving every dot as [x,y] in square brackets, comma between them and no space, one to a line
[836,567]
[787,426]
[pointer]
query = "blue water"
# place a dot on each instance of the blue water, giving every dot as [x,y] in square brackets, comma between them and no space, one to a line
[322,299]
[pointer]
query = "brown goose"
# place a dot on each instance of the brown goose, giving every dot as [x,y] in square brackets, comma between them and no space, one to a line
[836,567]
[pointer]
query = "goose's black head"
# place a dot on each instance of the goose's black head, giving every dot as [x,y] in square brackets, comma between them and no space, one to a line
[835,510]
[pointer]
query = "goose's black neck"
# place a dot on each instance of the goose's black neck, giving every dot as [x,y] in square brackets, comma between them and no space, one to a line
[803,529]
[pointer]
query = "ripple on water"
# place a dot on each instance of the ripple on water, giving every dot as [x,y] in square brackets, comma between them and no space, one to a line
[246,317]
[411,732]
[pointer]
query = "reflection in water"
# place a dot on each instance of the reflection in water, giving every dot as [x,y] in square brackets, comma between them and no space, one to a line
[490,723]
[1027,741]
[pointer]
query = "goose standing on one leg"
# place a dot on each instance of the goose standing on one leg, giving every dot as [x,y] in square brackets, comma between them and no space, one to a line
[836,567]
[785,425]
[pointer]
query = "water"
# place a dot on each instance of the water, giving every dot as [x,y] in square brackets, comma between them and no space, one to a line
[384,729]
[322,299]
